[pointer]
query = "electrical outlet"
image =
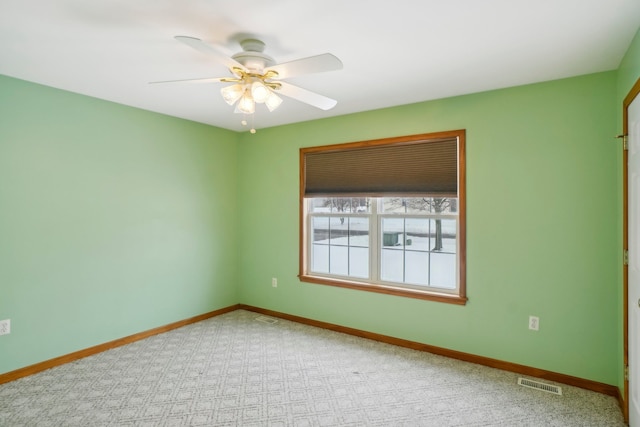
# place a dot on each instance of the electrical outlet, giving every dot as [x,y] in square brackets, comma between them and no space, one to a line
[5,327]
[534,323]
[274,282]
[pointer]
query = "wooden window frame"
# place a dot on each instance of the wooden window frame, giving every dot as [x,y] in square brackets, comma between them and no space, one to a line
[430,295]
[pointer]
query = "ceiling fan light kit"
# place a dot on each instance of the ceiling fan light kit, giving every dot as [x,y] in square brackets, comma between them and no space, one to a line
[257,77]
[251,89]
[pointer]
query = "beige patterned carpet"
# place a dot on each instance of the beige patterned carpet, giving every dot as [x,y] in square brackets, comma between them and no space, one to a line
[235,370]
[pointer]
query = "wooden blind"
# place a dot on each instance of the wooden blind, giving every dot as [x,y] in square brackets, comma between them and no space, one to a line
[428,166]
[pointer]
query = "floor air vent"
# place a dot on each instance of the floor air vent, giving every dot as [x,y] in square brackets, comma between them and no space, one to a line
[265,319]
[540,386]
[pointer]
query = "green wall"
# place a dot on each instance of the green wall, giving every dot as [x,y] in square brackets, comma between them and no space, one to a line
[542,206]
[629,70]
[113,221]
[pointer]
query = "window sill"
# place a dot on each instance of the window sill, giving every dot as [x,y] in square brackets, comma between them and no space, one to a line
[389,290]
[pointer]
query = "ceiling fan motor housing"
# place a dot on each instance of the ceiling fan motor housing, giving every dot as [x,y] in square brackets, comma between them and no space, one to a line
[252,57]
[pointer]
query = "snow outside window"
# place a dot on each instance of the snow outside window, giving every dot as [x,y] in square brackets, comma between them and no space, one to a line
[408,242]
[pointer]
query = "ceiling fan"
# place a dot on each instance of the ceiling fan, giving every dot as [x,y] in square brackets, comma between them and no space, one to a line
[257,78]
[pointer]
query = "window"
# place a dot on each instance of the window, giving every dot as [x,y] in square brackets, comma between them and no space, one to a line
[386,216]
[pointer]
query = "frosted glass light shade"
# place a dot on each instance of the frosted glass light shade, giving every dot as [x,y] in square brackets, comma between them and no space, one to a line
[259,91]
[246,104]
[273,101]
[232,93]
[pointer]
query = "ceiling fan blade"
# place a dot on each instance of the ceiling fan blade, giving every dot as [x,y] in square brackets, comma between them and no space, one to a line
[207,49]
[204,80]
[312,64]
[308,97]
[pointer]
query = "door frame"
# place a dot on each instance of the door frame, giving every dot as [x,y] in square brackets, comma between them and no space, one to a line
[631,96]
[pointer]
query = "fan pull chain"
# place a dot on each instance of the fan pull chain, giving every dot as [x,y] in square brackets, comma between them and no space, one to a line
[245,123]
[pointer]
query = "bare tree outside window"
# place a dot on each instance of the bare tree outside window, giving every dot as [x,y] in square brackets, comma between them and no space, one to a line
[347,205]
[435,205]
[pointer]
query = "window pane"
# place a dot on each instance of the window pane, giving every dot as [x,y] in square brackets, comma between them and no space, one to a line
[359,262]
[320,225]
[417,247]
[393,205]
[417,268]
[320,248]
[341,204]
[412,205]
[319,204]
[453,206]
[441,205]
[392,231]
[392,265]
[340,245]
[361,204]
[417,229]
[443,270]
[419,205]
[339,231]
[320,258]
[339,260]
[359,232]
[443,235]
[443,256]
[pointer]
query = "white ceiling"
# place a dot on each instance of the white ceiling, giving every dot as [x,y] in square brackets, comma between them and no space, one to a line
[394,52]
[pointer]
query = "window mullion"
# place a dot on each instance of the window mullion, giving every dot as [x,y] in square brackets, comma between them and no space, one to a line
[404,250]
[308,235]
[349,267]
[374,233]
[329,246]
